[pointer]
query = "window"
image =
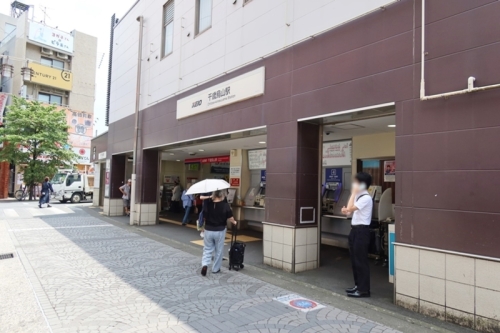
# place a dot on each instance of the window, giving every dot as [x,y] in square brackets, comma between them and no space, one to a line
[52,63]
[50,99]
[203,15]
[168,28]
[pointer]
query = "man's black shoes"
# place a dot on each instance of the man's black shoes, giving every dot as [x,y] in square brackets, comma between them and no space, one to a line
[358,294]
[351,290]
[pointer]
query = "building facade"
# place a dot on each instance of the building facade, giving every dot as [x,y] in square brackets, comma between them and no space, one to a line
[63,71]
[297,91]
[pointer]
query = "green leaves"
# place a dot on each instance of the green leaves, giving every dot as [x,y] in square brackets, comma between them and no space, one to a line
[34,136]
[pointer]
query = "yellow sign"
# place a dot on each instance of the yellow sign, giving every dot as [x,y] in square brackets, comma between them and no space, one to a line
[52,77]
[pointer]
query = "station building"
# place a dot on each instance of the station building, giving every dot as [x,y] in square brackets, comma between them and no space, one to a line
[287,100]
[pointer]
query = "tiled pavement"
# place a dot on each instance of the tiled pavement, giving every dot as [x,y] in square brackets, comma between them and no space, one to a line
[90,276]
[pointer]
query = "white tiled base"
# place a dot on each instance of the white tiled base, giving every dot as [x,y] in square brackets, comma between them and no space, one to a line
[95,198]
[113,207]
[146,214]
[455,288]
[291,249]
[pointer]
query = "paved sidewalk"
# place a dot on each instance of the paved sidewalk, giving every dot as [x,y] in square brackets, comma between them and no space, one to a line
[91,276]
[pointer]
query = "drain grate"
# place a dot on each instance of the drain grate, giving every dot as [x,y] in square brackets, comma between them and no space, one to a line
[6,256]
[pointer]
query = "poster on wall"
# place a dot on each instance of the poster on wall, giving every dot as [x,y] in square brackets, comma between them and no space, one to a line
[220,168]
[257,159]
[107,178]
[390,171]
[338,153]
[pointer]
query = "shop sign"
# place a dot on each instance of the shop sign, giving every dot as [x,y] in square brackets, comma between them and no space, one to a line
[52,77]
[53,38]
[333,174]
[337,153]
[235,182]
[218,159]
[102,155]
[83,155]
[257,159]
[262,175]
[240,88]
[235,172]
[390,171]
[220,168]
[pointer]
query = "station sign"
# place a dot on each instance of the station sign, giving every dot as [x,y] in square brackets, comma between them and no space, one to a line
[333,174]
[240,88]
[262,175]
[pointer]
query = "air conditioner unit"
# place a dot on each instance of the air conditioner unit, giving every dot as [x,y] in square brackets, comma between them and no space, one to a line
[62,56]
[47,51]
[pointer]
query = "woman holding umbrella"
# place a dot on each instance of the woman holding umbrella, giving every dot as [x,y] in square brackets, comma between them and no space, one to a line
[217,213]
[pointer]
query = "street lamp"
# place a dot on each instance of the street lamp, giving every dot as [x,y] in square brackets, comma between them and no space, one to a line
[7,70]
[27,72]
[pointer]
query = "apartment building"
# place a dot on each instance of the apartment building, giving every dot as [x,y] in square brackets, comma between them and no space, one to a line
[53,67]
[289,98]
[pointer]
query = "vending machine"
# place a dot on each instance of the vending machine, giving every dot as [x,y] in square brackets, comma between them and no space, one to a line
[330,196]
[261,195]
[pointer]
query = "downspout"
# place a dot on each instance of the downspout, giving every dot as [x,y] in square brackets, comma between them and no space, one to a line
[470,81]
[133,210]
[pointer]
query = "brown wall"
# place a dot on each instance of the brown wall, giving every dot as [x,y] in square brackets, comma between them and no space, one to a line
[448,163]
[100,144]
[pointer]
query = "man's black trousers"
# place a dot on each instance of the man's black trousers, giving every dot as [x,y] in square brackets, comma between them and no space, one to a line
[359,242]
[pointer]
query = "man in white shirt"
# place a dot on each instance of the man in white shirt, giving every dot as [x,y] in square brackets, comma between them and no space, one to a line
[360,205]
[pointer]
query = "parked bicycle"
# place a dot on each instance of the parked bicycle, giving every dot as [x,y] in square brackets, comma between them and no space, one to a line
[22,193]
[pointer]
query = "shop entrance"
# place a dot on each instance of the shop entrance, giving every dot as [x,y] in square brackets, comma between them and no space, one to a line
[240,159]
[354,141]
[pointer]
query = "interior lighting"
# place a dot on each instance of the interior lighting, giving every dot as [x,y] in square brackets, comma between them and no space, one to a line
[262,142]
[391,125]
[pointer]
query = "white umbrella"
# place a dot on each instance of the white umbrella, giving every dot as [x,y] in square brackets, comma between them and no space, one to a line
[208,185]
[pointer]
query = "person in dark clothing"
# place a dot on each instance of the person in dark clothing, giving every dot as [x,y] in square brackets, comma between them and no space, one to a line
[45,195]
[217,213]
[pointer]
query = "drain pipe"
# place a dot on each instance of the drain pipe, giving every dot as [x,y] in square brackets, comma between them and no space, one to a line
[133,208]
[470,81]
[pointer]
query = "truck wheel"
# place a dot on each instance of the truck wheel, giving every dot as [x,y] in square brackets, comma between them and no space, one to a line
[76,198]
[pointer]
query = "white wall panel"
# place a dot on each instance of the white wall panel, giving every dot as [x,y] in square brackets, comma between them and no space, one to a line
[239,34]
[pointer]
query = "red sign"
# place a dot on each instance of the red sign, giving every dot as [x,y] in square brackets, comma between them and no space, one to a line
[217,159]
[234,182]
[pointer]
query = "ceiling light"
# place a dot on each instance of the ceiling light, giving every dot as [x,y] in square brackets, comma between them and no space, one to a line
[391,125]
[201,149]
[178,160]
[262,142]
[172,154]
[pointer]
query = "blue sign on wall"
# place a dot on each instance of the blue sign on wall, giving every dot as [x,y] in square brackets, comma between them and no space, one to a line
[333,174]
[262,175]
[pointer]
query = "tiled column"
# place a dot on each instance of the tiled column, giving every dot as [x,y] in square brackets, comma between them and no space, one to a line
[147,188]
[452,287]
[4,179]
[113,206]
[291,226]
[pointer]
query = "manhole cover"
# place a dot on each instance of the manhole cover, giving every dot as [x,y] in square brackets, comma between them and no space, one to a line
[6,256]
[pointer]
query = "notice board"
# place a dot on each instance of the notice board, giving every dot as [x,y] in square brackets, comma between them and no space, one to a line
[257,159]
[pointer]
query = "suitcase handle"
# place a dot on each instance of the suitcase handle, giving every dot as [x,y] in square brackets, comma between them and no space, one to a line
[234,233]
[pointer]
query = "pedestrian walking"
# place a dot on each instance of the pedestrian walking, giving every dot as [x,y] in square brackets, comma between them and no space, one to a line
[217,214]
[187,203]
[360,205]
[125,189]
[45,193]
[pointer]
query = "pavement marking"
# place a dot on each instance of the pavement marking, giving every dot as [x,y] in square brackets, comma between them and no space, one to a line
[69,227]
[9,212]
[47,211]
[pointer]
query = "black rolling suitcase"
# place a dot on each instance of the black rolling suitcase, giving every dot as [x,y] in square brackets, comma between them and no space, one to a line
[236,252]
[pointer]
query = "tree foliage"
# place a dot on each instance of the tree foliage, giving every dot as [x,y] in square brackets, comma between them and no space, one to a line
[36,138]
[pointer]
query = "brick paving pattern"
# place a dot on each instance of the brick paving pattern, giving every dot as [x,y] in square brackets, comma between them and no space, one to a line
[91,276]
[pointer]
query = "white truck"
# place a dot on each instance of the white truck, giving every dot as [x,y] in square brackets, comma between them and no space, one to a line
[73,187]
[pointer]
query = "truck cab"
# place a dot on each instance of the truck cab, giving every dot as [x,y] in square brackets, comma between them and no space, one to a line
[73,186]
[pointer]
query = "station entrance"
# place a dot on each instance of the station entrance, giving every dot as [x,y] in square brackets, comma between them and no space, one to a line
[240,159]
[354,141]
